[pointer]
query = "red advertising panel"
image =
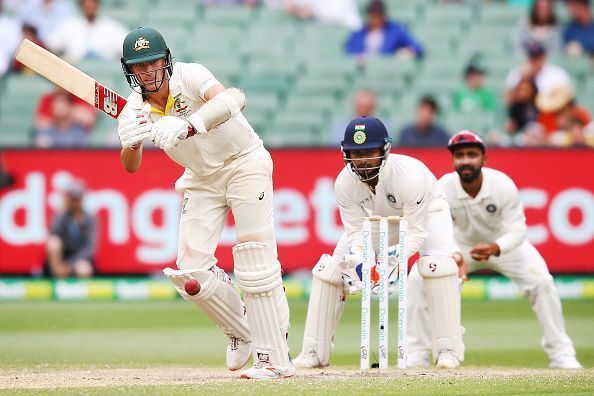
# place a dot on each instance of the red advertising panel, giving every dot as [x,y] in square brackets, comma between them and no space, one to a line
[138,213]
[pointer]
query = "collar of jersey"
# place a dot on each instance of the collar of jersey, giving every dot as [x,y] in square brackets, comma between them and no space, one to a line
[483,193]
[170,101]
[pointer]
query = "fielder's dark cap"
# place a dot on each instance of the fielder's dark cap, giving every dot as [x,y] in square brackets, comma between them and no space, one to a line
[466,138]
[364,133]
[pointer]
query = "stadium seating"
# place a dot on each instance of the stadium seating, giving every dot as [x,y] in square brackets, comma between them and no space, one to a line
[296,76]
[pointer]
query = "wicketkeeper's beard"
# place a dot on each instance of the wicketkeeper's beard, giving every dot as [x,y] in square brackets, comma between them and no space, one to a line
[470,177]
[367,174]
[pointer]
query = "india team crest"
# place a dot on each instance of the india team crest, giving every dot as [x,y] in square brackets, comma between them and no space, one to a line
[141,43]
[359,137]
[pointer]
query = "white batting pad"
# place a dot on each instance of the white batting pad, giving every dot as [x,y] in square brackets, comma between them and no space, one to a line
[217,298]
[326,303]
[258,273]
[440,275]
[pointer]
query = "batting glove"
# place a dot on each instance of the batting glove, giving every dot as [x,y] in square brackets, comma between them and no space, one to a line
[132,130]
[169,131]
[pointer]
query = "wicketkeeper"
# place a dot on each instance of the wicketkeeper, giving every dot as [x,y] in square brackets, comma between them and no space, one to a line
[375,182]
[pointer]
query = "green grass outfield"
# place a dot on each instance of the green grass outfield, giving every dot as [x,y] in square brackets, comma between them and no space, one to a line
[46,342]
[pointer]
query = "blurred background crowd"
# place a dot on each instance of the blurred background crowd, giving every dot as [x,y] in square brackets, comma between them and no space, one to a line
[519,72]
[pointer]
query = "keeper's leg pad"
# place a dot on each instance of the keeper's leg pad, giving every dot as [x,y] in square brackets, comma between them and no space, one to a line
[258,274]
[217,298]
[440,274]
[326,303]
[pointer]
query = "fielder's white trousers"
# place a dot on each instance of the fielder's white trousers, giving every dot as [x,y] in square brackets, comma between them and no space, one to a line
[528,270]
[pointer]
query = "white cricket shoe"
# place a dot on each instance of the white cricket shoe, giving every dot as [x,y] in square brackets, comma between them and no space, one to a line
[238,353]
[264,371]
[565,362]
[447,360]
[307,359]
[418,359]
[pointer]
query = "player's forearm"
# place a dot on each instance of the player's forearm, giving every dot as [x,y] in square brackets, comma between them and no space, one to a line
[511,240]
[131,158]
[219,109]
[414,241]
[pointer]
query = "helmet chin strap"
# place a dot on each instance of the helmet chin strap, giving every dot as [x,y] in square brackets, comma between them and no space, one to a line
[365,174]
[365,177]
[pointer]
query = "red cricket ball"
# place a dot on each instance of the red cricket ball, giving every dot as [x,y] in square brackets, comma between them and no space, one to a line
[192,287]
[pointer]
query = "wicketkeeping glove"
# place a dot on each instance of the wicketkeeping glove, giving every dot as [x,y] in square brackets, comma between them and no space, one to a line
[132,130]
[351,268]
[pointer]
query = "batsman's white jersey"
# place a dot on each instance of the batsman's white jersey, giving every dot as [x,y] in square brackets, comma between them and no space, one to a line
[228,167]
[203,154]
[405,188]
[496,215]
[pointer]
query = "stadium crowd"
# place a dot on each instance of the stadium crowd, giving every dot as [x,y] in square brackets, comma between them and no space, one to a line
[538,91]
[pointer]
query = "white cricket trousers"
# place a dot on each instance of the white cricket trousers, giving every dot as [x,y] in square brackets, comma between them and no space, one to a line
[243,185]
[528,270]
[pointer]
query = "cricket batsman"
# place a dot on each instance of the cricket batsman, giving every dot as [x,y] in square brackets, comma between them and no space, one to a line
[490,233]
[190,115]
[375,182]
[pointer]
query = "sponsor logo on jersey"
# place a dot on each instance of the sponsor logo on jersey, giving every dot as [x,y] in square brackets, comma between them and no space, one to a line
[363,202]
[141,43]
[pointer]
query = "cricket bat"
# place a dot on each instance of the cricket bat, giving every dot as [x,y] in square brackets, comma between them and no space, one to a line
[70,78]
[82,85]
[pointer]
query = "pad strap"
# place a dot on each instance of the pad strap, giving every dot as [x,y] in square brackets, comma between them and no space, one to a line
[437,266]
[327,270]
